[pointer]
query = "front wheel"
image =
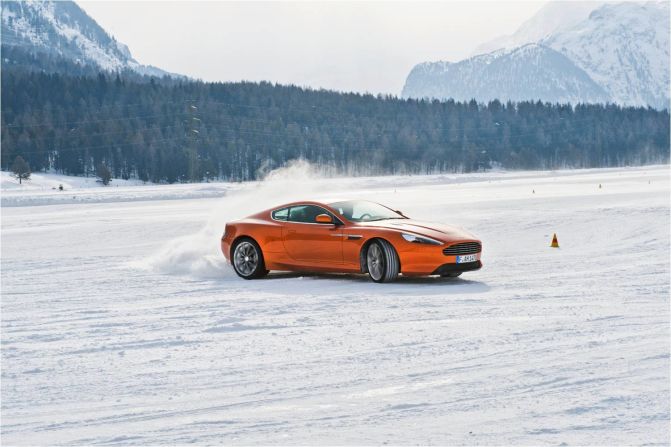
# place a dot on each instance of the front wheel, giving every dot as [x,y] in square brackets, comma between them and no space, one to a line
[382,261]
[248,259]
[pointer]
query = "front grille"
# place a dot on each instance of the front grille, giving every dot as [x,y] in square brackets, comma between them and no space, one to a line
[464,248]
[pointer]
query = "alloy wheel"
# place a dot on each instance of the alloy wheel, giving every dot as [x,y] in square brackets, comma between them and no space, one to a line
[375,259]
[245,258]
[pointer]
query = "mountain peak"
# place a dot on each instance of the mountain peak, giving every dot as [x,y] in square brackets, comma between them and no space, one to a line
[550,19]
[61,29]
[625,48]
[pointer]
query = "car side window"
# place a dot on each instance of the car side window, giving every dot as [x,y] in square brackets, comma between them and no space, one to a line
[305,213]
[282,214]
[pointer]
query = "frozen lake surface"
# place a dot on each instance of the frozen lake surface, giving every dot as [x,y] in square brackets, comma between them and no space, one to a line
[121,324]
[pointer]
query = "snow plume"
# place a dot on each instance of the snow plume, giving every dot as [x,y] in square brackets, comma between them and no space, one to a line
[200,255]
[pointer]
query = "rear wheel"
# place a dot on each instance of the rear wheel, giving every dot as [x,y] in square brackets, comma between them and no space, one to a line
[248,259]
[382,261]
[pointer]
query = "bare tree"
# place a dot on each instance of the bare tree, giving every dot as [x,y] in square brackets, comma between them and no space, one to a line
[104,174]
[21,169]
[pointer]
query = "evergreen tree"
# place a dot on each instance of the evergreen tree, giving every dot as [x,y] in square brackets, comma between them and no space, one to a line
[144,129]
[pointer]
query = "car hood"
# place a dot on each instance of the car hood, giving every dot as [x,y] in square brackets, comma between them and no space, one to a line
[442,232]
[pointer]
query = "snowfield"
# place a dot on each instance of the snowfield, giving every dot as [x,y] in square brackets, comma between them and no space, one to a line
[122,325]
[44,189]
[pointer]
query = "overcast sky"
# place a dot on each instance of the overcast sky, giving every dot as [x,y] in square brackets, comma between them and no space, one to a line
[347,46]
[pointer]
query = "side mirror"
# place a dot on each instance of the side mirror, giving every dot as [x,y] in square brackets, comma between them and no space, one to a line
[324,219]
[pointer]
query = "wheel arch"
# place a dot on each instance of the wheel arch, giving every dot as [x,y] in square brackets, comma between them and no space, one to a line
[260,269]
[238,238]
[363,265]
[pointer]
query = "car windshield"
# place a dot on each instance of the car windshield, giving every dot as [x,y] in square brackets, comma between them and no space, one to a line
[364,211]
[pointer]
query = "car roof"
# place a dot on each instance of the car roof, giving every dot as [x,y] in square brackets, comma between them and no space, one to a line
[324,202]
[301,202]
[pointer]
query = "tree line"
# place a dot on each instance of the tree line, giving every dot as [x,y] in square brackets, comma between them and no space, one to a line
[178,131]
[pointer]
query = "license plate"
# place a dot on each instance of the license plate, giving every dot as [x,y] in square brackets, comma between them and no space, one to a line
[466,258]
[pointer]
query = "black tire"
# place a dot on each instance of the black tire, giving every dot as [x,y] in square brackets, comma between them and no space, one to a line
[247,259]
[382,261]
[451,275]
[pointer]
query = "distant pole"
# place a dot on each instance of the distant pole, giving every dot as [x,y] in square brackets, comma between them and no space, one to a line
[194,124]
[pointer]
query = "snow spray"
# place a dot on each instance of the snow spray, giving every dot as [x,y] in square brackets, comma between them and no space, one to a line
[199,255]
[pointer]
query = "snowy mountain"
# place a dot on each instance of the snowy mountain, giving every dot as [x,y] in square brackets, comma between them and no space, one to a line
[528,72]
[625,48]
[551,19]
[612,53]
[41,30]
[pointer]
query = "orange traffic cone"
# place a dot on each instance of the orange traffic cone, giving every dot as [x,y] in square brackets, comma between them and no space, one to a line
[555,243]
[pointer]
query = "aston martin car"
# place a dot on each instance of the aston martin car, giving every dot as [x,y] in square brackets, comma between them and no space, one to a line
[347,236]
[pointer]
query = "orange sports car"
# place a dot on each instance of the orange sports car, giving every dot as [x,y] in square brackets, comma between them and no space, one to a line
[350,236]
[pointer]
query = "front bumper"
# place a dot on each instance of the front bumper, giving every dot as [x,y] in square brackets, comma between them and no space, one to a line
[422,259]
[457,268]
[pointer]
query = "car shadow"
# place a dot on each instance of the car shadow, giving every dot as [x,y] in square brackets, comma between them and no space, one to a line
[401,282]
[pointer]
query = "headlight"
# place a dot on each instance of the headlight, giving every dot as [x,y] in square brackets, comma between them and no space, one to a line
[420,239]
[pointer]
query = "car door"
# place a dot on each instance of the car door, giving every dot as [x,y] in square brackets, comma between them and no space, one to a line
[310,242]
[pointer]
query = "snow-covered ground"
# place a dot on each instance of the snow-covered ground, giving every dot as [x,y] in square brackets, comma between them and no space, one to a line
[50,182]
[122,325]
[44,189]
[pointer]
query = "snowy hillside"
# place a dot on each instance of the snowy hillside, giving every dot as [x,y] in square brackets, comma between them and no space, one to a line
[524,73]
[620,50]
[122,325]
[625,48]
[62,29]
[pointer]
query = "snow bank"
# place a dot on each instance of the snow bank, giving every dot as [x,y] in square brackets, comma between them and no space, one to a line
[43,189]
[51,182]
